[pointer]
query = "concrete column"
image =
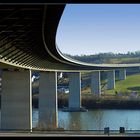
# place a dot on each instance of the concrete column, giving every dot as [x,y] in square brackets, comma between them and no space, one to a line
[48,100]
[122,74]
[95,83]
[16,100]
[0,80]
[75,90]
[111,79]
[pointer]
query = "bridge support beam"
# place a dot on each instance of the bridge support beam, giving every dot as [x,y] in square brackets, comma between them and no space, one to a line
[48,100]
[122,74]
[16,101]
[95,83]
[111,79]
[75,90]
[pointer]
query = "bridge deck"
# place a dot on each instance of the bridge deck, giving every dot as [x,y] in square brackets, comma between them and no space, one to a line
[27,40]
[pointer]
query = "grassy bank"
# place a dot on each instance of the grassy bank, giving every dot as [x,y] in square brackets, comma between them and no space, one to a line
[131,84]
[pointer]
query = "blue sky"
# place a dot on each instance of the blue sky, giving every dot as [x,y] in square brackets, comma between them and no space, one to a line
[95,28]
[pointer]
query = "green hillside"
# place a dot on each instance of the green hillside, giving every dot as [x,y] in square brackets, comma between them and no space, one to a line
[132,83]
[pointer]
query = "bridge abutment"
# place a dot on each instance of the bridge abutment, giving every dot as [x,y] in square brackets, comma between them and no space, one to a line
[16,100]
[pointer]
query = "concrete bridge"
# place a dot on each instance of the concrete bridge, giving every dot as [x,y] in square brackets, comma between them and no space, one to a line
[27,44]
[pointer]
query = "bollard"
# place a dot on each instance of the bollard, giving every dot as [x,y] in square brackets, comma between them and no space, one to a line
[106,130]
[122,130]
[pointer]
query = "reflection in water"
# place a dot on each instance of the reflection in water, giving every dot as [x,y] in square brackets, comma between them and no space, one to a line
[96,119]
[98,116]
[75,121]
[70,120]
[35,117]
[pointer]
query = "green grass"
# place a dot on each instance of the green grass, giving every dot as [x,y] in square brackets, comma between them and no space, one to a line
[125,60]
[132,83]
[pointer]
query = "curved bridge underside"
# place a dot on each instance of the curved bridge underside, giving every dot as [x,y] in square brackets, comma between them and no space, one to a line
[27,40]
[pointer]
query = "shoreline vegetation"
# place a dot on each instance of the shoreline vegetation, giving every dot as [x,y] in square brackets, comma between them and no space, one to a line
[89,101]
[109,57]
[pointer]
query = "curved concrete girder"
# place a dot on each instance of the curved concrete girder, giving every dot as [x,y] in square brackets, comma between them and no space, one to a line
[41,21]
[56,53]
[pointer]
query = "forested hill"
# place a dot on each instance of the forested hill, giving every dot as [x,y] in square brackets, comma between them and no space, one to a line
[114,58]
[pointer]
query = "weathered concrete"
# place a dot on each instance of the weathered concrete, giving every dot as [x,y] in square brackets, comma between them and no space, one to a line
[75,90]
[122,74]
[95,83]
[0,80]
[16,101]
[48,100]
[111,79]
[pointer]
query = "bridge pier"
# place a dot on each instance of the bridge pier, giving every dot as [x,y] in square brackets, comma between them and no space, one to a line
[16,101]
[48,100]
[111,79]
[122,74]
[95,83]
[74,91]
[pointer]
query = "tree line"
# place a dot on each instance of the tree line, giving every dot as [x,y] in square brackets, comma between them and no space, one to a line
[100,57]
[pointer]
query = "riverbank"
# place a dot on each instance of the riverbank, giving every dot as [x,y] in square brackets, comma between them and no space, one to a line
[93,102]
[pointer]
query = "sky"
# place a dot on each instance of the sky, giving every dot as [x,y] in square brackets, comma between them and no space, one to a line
[86,29]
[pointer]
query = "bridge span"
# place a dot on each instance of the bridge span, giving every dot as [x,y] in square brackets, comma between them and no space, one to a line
[28,43]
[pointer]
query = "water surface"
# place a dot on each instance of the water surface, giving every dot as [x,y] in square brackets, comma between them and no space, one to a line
[96,119]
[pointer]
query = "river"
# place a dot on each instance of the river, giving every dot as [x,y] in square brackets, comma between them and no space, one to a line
[96,119]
